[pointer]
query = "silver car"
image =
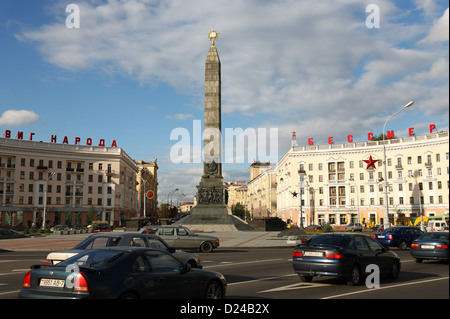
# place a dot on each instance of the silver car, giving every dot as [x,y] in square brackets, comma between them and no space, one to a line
[103,240]
[181,237]
[354,227]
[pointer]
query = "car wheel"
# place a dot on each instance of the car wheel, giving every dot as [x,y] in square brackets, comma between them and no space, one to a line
[355,276]
[206,247]
[214,291]
[305,278]
[419,260]
[395,270]
[402,245]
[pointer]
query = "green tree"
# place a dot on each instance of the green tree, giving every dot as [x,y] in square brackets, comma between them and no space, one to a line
[240,211]
[166,211]
[380,137]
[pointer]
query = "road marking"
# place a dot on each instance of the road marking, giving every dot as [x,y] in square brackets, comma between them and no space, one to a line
[296,286]
[9,292]
[242,263]
[260,279]
[15,272]
[385,287]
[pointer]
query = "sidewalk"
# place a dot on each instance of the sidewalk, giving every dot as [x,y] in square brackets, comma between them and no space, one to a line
[238,239]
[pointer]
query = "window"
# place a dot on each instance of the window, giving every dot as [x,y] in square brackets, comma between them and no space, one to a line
[166,231]
[138,242]
[140,265]
[358,243]
[163,263]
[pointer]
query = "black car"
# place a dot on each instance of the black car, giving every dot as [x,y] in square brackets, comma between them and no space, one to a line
[122,273]
[343,255]
[398,236]
[433,245]
[6,233]
[103,240]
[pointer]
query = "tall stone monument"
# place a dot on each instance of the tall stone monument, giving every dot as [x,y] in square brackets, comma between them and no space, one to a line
[211,211]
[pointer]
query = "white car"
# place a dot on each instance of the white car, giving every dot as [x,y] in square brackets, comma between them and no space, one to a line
[436,225]
[103,240]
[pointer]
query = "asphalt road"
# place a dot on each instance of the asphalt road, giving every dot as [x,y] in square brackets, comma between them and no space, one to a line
[267,274]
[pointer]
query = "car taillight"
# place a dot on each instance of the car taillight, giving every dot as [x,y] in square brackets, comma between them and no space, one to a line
[27,280]
[334,256]
[390,237]
[415,245]
[373,236]
[442,246]
[81,283]
[297,254]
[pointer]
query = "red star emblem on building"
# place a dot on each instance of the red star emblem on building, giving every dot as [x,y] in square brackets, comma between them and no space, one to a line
[294,194]
[371,163]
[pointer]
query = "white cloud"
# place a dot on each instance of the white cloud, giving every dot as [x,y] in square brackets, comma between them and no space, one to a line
[439,32]
[18,117]
[297,65]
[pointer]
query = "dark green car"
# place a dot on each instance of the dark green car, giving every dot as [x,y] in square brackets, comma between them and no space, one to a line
[180,237]
[122,273]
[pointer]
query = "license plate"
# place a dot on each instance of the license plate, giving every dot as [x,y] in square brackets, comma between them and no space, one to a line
[52,283]
[427,246]
[313,253]
[380,236]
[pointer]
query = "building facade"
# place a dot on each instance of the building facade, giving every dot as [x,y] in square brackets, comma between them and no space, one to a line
[69,184]
[261,190]
[343,183]
[237,193]
[147,188]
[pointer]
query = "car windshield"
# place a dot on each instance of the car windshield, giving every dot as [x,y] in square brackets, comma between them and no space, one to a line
[94,258]
[332,240]
[434,236]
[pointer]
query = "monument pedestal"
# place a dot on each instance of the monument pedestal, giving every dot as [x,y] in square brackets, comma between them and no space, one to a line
[211,212]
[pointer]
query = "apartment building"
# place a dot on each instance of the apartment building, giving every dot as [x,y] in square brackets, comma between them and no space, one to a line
[73,184]
[342,183]
[261,190]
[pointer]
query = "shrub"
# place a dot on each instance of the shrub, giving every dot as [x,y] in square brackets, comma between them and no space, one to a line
[326,228]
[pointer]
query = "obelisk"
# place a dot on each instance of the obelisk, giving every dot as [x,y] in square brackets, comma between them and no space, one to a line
[211,212]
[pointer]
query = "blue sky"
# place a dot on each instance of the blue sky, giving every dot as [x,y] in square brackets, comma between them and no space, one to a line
[134,71]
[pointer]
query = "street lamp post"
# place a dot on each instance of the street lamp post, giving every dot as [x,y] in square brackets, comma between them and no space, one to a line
[169,199]
[302,174]
[357,198]
[45,198]
[386,184]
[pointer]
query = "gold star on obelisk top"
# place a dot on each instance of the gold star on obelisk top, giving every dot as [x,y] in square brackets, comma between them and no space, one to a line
[213,35]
